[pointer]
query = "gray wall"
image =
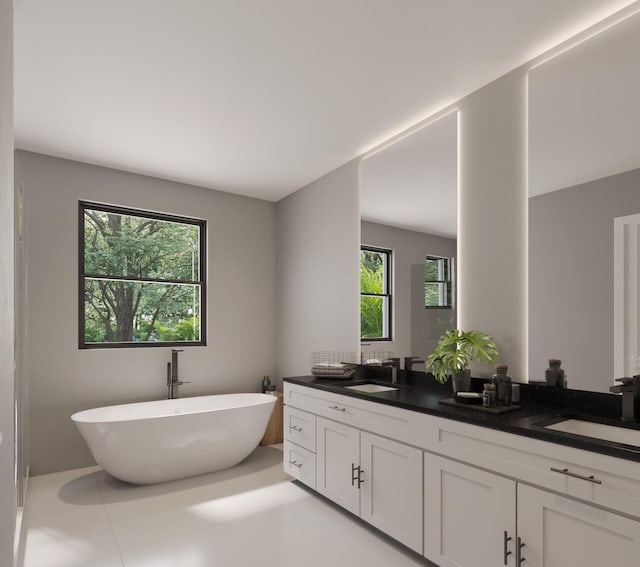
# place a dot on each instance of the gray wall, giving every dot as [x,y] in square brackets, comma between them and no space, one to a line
[571,277]
[7,479]
[415,329]
[318,273]
[492,218]
[241,302]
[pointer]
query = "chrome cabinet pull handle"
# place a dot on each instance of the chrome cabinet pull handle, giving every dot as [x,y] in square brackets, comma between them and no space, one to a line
[567,472]
[507,539]
[295,428]
[296,464]
[337,408]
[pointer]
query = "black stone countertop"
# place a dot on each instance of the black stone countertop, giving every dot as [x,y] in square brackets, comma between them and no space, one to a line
[540,406]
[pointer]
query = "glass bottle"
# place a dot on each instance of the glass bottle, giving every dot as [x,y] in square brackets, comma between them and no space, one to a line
[554,374]
[502,382]
[489,395]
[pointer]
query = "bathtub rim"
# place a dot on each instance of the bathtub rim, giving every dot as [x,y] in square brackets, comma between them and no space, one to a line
[166,408]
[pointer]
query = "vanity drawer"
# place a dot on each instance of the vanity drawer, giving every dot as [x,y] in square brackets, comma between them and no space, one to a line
[300,427]
[605,481]
[300,463]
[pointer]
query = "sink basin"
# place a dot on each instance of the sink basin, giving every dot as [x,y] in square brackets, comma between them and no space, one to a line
[598,431]
[371,388]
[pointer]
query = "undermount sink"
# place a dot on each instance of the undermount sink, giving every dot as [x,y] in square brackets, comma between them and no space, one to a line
[601,431]
[371,388]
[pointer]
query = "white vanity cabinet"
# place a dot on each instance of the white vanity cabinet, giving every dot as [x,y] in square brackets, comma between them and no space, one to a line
[462,494]
[471,517]
[372,476]
[471,513]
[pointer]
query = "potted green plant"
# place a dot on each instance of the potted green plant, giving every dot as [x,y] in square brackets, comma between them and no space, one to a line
[455,351]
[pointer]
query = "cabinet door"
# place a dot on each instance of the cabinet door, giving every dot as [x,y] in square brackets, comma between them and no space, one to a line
[337,455]
[391,489]
[466,514]
[560,532]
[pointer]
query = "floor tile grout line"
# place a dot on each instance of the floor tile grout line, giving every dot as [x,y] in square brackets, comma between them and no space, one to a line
[106,510]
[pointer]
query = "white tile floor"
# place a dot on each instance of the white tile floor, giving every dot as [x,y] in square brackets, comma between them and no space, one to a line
[252,515]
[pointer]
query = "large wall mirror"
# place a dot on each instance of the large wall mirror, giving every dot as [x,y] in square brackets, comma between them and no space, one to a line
[584,154]
[408,192]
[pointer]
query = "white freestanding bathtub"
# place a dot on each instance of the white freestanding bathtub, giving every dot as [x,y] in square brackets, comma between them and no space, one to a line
[163,440]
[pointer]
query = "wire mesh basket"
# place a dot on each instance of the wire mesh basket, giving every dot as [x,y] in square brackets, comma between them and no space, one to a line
[374,357]
[335,364]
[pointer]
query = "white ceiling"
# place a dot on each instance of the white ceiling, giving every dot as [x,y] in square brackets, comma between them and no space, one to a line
[260,97]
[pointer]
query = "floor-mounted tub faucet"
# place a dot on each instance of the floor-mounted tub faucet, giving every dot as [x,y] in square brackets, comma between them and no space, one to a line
[172,375]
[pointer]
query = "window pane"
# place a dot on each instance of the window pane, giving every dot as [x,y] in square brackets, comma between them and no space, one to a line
[119,311]
[435,294]
[372,272]
[373,317]
[436,269]
[138,247]
[438,283]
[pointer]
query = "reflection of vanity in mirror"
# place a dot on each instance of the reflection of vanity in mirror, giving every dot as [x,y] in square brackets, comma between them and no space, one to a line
[408,195]
[584,154]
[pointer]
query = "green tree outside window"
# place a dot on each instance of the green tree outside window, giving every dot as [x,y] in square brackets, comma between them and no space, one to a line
[375,297]
[141,278]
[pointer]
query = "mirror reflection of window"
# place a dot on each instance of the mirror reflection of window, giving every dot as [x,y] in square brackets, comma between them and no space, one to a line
[438,282]
[375,293]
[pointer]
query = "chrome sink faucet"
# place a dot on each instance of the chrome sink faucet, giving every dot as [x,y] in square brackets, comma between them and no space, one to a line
[630,390]
[394,364]
[172,375]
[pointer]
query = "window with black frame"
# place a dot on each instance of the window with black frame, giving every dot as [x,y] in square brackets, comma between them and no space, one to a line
[375,293]
[141,278]
[438,282]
